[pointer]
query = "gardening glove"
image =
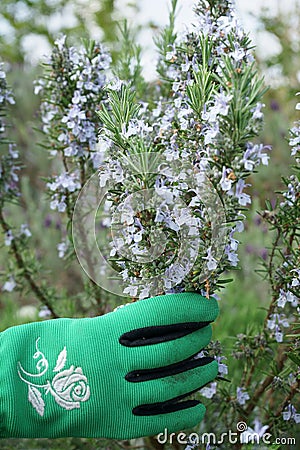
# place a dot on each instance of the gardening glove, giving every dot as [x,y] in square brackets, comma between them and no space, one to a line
[122,375]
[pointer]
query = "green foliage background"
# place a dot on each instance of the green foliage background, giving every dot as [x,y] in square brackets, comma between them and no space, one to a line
[242,300]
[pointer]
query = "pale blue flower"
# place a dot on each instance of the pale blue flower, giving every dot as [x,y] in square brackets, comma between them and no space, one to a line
[62,247]
[210,133]
[24,230]
[45,312]
[222,367]
[243,198]
[290,413]
[12,151]
[209,391]
[225,182]
[60,42]
[131,291]
[275,324]
[239,52]
[211,263]
[65,181]
[242,396]
[58,203]
[171,54]
[222,103]
[8,238]
[232,256]
[257,114]
[9,285]
[286,296]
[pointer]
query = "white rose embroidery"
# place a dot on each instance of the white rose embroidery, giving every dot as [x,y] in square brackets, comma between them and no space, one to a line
[69,387]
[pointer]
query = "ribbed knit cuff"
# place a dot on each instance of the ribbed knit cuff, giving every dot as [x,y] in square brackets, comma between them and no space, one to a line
[2,361]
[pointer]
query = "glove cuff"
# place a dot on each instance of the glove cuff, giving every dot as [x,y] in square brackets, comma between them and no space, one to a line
[1,406]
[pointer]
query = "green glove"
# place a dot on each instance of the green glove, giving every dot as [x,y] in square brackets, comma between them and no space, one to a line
[122,375]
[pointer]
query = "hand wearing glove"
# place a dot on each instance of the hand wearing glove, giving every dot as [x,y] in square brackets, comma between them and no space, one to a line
[122,375]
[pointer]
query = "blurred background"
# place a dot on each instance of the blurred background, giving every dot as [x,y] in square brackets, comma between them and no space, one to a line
[28,29]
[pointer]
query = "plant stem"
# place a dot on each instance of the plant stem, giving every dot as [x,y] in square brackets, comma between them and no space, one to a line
[288,398]
[263,386]
[271,278]
[38,291]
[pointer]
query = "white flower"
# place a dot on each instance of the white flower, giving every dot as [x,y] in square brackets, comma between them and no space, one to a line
[127,215]
[25,230]
[242,396]
[78,98]
[239,227]
[60,42]
[74,115]
[234,243]
[135,127]
[184,124]
[45,312]
[286,296]
[222,368]
[67,181]
[239,53]
[185,67]
[38,86]
[59,204]
[278,334]
[222,104]
[131,291]
[63,137]
[243,198]
[104,175]
[209,391]
[177,102]
[291,413]
[62,247]
[225,182]
[279,319]
[13,153]
[137,237]
[257,114]
[171,54]
[97,159]
[144,292]
[275,322]
[113,251]
[8,238]
[210,133]
[232,256]
[296,279]
[124,274]
[157,111]
[115,84]
[9,285]
[212,264]
[165,193]
[173,275]
[117,171]
[103,144]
